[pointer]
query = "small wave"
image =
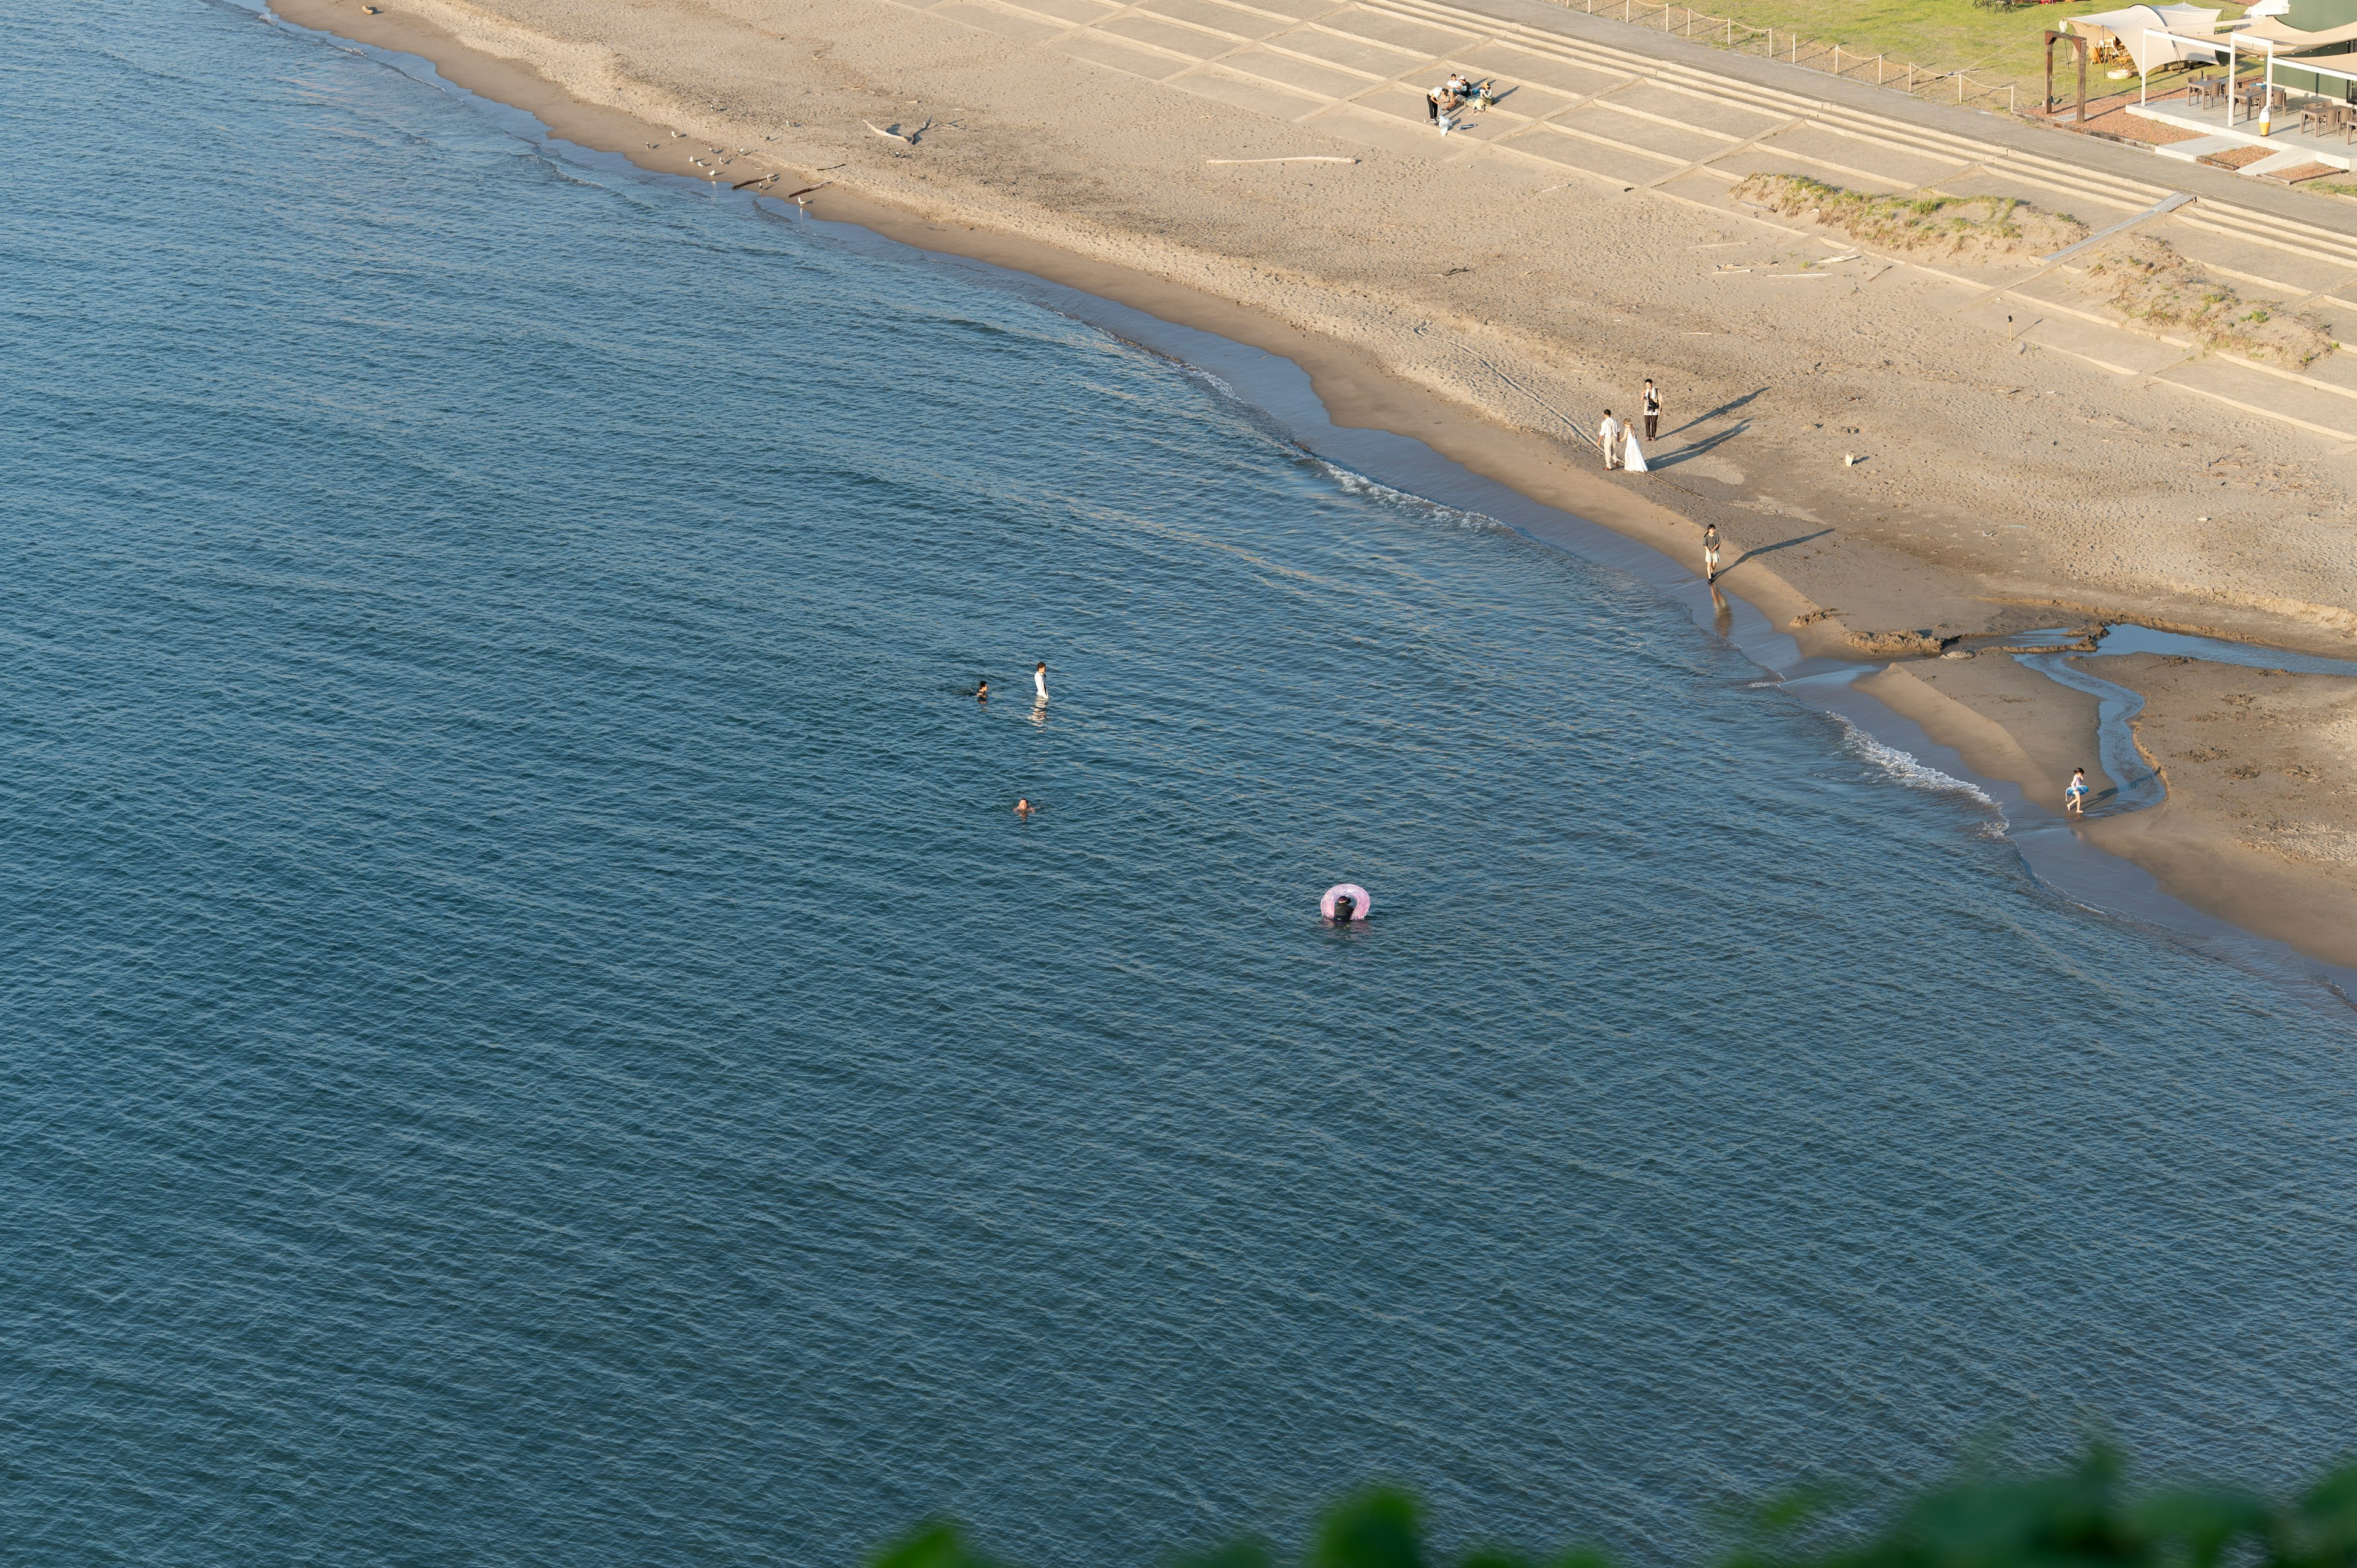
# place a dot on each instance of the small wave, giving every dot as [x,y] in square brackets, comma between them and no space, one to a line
[1217,383]
[1906,769]
[1353,484]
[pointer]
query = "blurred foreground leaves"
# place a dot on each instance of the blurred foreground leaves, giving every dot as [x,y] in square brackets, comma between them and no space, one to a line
[2084,1516]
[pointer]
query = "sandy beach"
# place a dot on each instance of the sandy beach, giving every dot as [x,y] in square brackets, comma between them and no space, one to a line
[2258,822]
[1898,466]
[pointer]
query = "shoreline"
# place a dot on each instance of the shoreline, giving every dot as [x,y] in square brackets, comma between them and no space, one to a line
[1355,393]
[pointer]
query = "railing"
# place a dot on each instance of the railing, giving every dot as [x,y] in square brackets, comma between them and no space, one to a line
[1776,43]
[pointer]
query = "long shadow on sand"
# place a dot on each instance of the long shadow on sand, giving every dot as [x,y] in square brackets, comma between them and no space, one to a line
[1771,549]
[1696,448]
[1721,411]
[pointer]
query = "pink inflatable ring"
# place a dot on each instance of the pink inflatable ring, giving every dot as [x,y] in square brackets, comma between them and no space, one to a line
[1360,902]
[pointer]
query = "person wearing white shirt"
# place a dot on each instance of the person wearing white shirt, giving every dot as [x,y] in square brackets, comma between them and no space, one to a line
[1607,438]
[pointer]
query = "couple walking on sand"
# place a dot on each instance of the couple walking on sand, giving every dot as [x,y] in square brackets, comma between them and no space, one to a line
[1618,442]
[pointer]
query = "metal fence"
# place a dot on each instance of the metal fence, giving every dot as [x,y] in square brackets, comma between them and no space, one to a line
[1777,43]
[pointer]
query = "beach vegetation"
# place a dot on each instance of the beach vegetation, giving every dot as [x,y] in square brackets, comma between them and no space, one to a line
[2147,280]
[2081,1514]
[2143,278]
[1954,228]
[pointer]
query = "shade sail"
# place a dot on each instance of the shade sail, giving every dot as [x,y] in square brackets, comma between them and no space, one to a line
[2144,32]
[2272,29]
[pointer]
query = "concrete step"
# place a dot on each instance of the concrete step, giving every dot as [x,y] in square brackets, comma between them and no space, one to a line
[2199,147]
[2224,216]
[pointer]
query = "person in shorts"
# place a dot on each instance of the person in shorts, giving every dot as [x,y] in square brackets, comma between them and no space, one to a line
[1710,552]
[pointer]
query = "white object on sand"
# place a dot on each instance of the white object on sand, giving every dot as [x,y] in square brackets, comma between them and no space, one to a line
[1308,158]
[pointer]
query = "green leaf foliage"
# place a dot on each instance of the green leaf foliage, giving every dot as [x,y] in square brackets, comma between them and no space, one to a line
[2082,1515]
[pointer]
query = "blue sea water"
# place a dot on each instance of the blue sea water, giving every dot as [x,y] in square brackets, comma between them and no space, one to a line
[529,1033]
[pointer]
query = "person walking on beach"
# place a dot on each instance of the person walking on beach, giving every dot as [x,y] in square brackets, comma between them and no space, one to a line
[1652,409]
[1632,457]
[1607,440]
[1710,552]
[1040,679]
[2074,799]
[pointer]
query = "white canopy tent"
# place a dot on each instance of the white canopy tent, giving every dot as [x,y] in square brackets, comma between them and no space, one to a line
[2155,36]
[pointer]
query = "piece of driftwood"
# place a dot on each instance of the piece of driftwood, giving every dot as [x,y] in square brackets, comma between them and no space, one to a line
[896,134]
[1307,159]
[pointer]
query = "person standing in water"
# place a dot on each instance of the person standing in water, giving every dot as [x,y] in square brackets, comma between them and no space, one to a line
[1652,409]
[982,693]
[1040,679]
[1607,438]
[1023,807]
[1710,552]
[2074,799]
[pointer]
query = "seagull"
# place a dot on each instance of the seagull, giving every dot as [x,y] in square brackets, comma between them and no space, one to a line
[896,134]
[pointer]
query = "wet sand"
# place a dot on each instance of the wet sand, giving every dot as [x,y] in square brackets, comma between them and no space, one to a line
[2260,825]
[1495,326]
[2008,721]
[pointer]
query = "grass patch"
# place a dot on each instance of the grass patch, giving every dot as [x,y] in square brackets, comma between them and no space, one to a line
[2143,278]
[1955,228]
[2150,282]
[2004,44]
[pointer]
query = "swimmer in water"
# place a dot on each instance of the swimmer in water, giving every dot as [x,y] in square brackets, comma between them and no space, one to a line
[2074,799]
[1023,807]
[1039,678]
[982,693]
[1346,908]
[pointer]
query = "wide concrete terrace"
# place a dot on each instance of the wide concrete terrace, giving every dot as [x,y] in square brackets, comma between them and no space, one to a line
[1598,99]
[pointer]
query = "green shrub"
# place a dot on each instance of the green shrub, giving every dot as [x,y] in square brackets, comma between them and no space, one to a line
[2083,1516]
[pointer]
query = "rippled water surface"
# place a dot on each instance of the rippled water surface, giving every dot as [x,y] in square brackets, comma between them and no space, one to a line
[529,1031]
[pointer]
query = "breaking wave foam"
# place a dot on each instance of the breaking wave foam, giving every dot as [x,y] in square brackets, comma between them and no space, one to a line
[1352,484]
[1904,768]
